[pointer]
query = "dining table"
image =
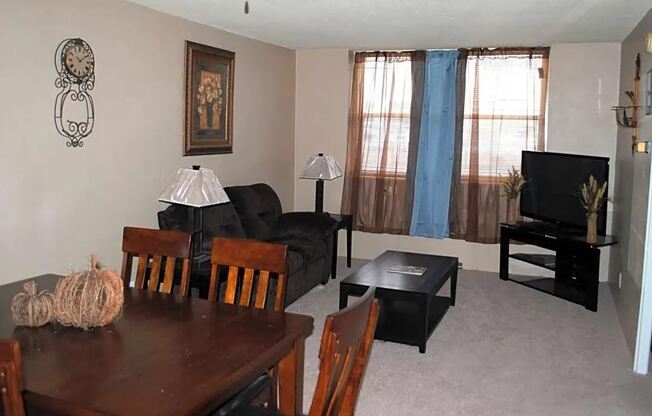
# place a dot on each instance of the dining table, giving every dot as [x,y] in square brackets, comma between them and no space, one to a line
[164,355]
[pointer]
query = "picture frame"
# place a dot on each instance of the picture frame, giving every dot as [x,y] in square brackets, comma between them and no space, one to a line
[648,93]
[209,74]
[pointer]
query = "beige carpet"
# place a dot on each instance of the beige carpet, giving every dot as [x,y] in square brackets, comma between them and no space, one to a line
[503,350]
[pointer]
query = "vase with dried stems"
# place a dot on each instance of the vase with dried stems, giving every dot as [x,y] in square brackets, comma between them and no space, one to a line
[592,197]
[512,185]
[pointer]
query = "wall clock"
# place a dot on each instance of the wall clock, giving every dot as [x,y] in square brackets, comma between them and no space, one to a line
[74,113]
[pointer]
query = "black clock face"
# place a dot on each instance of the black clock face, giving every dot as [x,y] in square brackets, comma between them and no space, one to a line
[79,61]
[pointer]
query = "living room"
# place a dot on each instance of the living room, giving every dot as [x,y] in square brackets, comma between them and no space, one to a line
[292,90]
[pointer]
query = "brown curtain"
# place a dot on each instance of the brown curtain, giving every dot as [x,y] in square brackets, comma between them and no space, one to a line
[384,120]
[504,113]
[460,87]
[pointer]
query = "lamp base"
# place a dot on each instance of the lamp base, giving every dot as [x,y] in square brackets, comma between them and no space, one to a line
[319,195]
[195,225]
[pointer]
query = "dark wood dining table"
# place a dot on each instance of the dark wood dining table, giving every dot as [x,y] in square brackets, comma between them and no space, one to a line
[165,355]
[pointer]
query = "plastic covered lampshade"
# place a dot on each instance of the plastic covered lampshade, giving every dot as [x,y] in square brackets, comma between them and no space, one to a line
[194,188]
[322,167]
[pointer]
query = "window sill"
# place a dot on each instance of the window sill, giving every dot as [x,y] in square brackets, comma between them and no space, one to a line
[373,175]
[487,180]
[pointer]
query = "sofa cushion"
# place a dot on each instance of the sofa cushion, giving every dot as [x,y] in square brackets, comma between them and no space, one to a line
[270,204]
[221,221]
[303,224]
[257,206]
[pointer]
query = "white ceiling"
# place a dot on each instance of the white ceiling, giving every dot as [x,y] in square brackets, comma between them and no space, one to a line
[408,24]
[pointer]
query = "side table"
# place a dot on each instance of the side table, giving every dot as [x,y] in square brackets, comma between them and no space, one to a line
[343,221]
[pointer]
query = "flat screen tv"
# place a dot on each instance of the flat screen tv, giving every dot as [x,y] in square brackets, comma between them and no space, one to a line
[552,190]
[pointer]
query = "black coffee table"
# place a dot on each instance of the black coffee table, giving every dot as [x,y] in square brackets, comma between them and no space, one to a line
[410,309]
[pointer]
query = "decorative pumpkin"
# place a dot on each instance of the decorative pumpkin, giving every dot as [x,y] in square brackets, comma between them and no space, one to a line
[90,298]
[30,308]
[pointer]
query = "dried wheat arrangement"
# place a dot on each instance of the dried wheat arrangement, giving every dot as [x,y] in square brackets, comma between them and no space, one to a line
[513,183]
[593,195]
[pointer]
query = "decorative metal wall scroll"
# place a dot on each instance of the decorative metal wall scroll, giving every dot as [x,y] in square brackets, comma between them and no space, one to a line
[75,65]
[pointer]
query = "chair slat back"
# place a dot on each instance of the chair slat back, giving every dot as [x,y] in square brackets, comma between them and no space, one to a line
[152,247]
[344,353]
[250,264]
[11,379]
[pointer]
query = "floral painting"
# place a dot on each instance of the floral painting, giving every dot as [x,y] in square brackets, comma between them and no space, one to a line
[209,100]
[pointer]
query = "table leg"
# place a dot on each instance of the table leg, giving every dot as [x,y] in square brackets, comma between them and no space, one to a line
[334,260]
[344,298]
[349,237]
[291,380]
[590,278]
[425,323]
[504,255]
[454,286]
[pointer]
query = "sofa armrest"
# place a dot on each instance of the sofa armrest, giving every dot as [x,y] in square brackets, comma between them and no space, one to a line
[308,224]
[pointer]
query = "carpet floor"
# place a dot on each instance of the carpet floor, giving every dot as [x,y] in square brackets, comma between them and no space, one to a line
[503,350]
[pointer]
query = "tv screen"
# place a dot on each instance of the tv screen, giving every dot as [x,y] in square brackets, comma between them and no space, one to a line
[552,192]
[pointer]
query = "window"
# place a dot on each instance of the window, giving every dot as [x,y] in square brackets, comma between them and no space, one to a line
[504,111]
[386,115]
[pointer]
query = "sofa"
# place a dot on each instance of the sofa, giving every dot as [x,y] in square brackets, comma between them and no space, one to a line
[255,213]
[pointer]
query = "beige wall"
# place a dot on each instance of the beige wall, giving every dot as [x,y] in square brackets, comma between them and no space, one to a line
[632,187]
[58,205]
[583,86]
[322,109]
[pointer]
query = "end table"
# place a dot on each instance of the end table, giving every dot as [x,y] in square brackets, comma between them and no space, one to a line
[343,221]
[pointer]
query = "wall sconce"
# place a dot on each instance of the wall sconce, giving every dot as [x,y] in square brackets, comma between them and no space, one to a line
[648,42]
[627,115]
[642,147]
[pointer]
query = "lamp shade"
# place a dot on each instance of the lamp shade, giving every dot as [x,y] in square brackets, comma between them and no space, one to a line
[323,167]
[195,188]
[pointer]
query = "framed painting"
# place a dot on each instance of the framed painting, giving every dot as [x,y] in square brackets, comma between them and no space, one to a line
[209,100]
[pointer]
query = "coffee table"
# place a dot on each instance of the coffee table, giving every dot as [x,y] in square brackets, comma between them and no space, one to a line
[410,308]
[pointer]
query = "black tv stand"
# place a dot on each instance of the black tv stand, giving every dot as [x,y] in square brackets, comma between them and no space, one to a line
[576,262]
[550,228]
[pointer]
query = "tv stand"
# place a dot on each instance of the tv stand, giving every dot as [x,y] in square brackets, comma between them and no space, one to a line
[576,262]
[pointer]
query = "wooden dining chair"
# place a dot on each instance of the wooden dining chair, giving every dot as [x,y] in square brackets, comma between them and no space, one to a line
[159,245]
[344,353]
[11,379]
[251,265]
[248,258]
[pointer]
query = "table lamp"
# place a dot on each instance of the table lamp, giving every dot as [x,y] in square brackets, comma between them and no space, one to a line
[195,188]
[322,168]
